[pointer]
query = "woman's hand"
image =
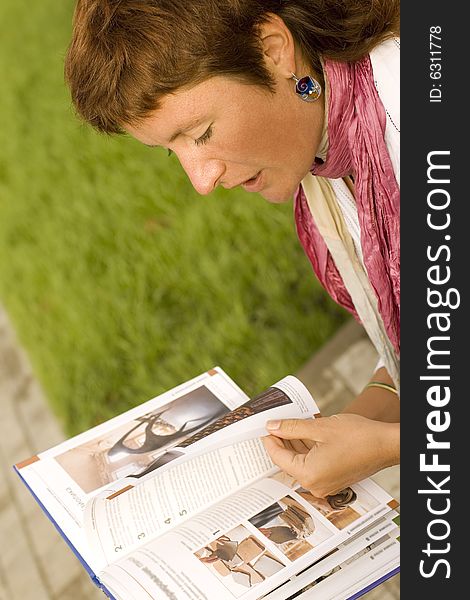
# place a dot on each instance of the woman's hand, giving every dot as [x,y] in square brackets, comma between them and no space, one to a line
[327,454]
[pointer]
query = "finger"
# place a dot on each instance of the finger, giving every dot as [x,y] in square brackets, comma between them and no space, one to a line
[293,429]
[288,445]
[287,460]
[268,440]
[309,444]
[298,446]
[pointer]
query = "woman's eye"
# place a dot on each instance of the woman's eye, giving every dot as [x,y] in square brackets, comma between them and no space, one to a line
[205,137]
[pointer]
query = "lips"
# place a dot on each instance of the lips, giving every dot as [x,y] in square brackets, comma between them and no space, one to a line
[254,184]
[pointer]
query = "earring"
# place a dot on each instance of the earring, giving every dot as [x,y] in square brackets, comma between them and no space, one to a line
[307,88]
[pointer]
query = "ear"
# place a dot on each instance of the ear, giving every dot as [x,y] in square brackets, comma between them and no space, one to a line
[278,46]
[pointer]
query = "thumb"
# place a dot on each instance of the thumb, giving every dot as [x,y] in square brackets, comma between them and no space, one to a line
[293,429]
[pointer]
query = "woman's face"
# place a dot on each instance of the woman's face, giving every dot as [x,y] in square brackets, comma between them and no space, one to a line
[229,133]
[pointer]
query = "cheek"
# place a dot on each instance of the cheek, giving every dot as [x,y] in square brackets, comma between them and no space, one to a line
[264,148]
[248,141]
[252,134]
[262,137]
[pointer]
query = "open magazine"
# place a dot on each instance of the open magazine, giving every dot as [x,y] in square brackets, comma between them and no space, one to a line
[178,499]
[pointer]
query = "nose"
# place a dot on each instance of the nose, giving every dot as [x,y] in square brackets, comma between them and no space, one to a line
[204,173]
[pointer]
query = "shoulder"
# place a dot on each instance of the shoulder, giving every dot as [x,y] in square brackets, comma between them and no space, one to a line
[387,56]
[385,61]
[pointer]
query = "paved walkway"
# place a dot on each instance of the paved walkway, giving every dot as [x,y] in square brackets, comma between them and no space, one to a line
[35,563]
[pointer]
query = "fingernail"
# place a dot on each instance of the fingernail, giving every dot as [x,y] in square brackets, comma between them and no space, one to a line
[273,425]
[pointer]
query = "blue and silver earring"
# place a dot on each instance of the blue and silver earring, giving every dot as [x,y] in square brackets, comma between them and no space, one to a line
[307,88]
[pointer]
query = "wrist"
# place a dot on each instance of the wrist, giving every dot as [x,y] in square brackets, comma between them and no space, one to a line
[390,444]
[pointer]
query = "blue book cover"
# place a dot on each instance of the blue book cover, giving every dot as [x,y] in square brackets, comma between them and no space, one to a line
[86,566]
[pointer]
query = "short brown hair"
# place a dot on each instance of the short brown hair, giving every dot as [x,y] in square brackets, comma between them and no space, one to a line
[125,55]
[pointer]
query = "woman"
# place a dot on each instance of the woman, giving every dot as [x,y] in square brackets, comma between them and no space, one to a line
[287,99]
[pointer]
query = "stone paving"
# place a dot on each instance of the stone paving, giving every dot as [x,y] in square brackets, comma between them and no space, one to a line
[35,563]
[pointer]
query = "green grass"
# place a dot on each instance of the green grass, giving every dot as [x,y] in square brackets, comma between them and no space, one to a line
[120,280]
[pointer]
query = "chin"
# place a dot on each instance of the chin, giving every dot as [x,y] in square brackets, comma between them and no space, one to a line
[278,196]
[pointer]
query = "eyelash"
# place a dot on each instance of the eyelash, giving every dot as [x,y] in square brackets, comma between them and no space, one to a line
[205,137]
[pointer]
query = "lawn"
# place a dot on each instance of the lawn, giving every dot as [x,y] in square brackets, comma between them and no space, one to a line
[119,279]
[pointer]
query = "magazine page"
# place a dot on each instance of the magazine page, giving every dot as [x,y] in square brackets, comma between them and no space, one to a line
[65,477]
[221,459]
[345,553]
[286,399]
[249,543]
[351,578]
[122,521]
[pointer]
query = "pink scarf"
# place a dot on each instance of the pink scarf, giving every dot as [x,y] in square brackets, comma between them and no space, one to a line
[356,147]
